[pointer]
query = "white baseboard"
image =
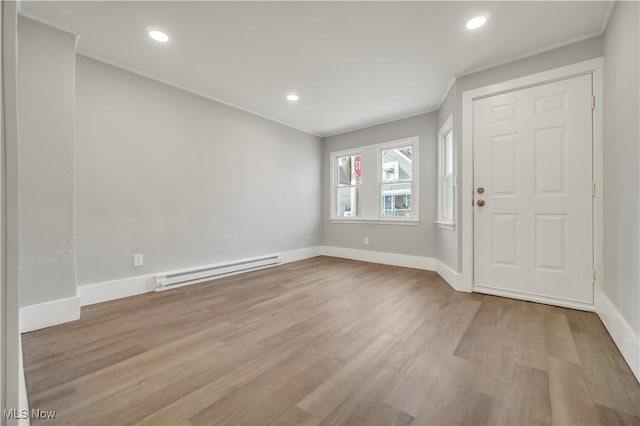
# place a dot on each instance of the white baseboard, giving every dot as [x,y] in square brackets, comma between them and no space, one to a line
[132,286]
[450,276]
[116,289]
[620,330]
[42,315]
[299,254]
[395,259]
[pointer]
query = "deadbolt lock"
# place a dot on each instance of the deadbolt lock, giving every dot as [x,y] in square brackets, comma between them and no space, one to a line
[481,203]
[480,190]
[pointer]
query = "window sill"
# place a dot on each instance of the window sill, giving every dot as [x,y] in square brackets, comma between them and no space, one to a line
[451,226]
[406,222]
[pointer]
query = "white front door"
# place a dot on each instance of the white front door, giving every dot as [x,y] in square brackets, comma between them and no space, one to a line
[533,171]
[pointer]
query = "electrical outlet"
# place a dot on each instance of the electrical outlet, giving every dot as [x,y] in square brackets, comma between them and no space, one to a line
[138,260]
[366,241]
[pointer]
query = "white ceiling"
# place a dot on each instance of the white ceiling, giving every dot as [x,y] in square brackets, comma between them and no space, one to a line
[353,63]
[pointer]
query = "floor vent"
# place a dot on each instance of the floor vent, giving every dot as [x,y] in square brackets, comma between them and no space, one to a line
[210,272]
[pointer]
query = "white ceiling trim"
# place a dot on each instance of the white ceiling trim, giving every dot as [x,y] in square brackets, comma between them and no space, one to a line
[49,23]
[378,123]
[529,54]
[193,92]
[607,17]
[342,131]
[159,80]
[446,92]
[392,118]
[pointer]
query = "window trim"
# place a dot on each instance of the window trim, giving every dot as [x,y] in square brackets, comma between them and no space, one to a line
[446,128]
[376,217]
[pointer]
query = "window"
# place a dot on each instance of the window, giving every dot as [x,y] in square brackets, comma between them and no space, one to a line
[396,181]
[446,176]
[358,195]
[349,181]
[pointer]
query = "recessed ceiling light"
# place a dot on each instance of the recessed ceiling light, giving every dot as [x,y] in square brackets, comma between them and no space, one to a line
[292,97]
[158,35]
[476,22]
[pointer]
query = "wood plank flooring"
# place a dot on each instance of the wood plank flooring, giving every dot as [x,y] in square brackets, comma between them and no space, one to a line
[329,341]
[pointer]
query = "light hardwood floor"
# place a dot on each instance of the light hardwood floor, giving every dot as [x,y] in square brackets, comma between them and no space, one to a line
[329,341]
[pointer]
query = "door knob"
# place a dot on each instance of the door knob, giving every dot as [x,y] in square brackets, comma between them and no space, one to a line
[481,203]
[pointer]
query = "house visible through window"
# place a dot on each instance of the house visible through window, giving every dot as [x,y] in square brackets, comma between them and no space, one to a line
[356,186]
[446,176]
[396,182]
[349,181]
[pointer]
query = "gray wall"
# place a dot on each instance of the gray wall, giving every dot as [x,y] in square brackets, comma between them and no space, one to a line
[447,239]
[621,281]
[413,240]
[182,179]
[570,54]
[45,116]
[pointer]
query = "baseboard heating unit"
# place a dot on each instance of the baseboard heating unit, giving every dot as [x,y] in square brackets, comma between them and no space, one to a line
[200,274]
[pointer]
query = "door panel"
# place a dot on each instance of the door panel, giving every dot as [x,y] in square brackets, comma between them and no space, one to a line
[504,239]
[533,158]
[551,168]
[504,165]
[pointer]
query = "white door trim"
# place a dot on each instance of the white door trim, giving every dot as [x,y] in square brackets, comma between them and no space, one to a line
[10,390]
[592,66]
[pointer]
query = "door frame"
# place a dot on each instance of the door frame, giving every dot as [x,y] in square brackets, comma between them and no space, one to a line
[593,67]
[12,390]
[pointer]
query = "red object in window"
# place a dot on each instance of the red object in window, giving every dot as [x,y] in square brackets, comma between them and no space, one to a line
[356,165]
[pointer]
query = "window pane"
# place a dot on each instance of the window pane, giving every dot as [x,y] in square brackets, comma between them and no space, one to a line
[348,202]
[446,201]
[396,200]
[396,164]
[447,198]
[448,153]
[350,170]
